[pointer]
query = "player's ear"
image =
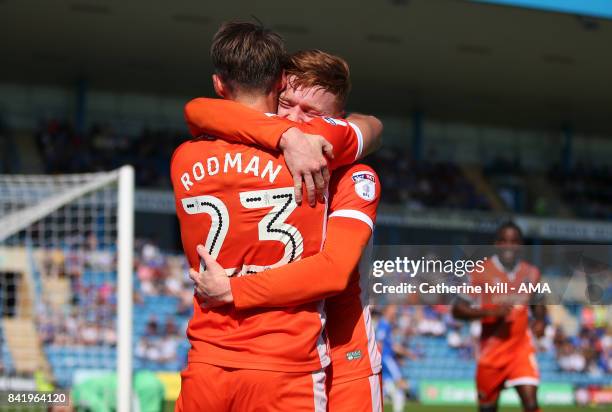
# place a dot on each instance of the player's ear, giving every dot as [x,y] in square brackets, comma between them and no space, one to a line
[220,87]
[282,83]
[340,112]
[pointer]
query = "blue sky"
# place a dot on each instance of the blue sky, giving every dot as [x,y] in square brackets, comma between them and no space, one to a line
[594,8]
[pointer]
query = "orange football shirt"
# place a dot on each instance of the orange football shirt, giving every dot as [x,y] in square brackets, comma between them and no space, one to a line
[336,274]
[355,194]
[238,201]
[502,339]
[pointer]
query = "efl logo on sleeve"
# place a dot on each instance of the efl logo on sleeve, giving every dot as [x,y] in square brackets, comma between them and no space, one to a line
[334,122]
[365,185]
[330,120]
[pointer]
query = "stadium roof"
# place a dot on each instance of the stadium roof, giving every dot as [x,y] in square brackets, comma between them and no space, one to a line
[453,59]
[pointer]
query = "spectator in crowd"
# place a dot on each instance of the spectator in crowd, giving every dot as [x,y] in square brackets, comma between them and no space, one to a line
[570,359]
[109,334]
[157,345]
[152,328]
[90,334]
[46,328]
[148,350]
[431,323]
[168,345]
[456,340]
[170,328]
[151,269]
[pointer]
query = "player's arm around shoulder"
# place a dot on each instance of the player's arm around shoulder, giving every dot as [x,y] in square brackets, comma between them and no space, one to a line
[371,130]
[351,138]
[234,122]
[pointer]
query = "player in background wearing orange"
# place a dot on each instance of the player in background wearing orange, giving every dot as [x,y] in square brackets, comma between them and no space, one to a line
[318,84]
[507,352]
[239,201]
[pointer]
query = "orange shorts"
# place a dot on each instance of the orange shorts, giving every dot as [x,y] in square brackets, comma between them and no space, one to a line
[358,395]
[523,370]
[213,388]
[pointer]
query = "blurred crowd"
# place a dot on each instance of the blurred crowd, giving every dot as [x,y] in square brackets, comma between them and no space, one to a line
[435,321]
[82,313]
[63,150]
[421,184]
[160,274]
[160,342]
[86,315]
[580,338]
[586,350]
[589,350]
[94,327]
[416,184]
[587,188]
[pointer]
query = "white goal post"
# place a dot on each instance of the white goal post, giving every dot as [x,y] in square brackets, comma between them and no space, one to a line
[54,231]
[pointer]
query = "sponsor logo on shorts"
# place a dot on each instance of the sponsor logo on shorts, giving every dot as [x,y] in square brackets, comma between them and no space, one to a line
[354,355]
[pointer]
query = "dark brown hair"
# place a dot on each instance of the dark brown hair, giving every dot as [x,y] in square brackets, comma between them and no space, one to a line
[508,225]
[247,56]
[313,68]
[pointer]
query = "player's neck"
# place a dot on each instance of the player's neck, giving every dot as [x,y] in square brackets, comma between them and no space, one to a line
[262,103]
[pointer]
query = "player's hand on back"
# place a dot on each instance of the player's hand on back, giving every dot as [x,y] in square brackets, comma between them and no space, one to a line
[212,286]
[305,155]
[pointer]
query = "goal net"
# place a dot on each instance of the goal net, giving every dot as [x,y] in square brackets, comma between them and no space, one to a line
[66,245]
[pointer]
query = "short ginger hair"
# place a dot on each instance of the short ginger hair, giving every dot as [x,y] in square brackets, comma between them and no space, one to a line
[316,68]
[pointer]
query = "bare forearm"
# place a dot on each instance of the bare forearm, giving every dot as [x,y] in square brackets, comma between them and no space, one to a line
[371,129]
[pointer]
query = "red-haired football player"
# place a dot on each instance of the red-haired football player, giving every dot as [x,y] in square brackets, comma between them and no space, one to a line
[318,85]
[239,201]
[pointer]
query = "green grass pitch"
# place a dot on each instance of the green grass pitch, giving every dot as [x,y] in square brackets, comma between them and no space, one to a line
[414,407]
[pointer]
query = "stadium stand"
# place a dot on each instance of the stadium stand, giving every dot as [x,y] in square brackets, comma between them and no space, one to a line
[424,184]
[428,184]
[80,336]
[448,353]
[75,337]
[483,122]
[498,184]
[587,188]
[62,150]
[6,365]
